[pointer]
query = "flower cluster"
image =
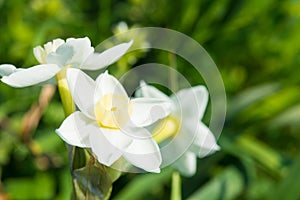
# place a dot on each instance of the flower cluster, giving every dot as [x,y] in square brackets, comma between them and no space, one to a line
[58,54]
[111,124]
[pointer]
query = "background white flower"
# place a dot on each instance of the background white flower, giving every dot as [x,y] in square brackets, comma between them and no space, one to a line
[56,55]
[184,123]
[110,123]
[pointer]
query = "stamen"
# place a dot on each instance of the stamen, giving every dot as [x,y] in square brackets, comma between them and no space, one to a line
[168,128]
[112,111]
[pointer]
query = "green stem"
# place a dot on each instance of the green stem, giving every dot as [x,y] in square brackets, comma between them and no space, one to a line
[176,179]
[64,92]
[176,186]
[173,72]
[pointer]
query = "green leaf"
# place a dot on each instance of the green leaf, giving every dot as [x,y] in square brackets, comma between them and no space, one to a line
[250,96]
[249,11]
[112,170]
[93,180]
[271,105]
[261,152]
[228,185]
[144,184]
[79,158]
[290,116]
[288,188]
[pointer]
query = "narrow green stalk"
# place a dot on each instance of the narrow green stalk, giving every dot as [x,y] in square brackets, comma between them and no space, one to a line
[176,186]
[173,72]
[64,92]
[176,179]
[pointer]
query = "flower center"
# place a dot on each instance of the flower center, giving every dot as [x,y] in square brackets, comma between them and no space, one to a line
[166,129]
[112,111]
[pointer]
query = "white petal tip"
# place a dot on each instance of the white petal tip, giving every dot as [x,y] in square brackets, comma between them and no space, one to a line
[5,79]
[7,69]
[107,163]
[109,160]
[130,43]
[155,170]
[31,76]
[217,148]
[203,153]
[142,83]
[59,133]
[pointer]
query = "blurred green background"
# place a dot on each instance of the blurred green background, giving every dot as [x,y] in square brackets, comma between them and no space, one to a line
[256,46]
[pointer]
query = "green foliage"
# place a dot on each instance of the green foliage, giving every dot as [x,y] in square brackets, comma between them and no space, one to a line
[254,43]
[142,186]
[228,185]
[288,188]
[41,186]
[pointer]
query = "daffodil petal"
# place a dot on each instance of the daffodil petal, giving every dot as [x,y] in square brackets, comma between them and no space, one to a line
[82,88]
[74,52]
[51,81]
[117,138]
[106,84]
[192,102]
[146,111]
[176,146]
[149,91]
[54,45]
[7,69]
[143,152]
[108,144]
[31,76]
[186,164]
[40,54]
[76,129]
[205,142]
[100,60]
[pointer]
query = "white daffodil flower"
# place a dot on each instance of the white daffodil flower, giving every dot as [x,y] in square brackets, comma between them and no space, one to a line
[184,127]
[110,123]
[58,54]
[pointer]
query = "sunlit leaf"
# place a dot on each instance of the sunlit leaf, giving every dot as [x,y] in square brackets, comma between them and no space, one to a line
[272,105]
[250,96]
[263,153]
[290,116]
[227,185]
